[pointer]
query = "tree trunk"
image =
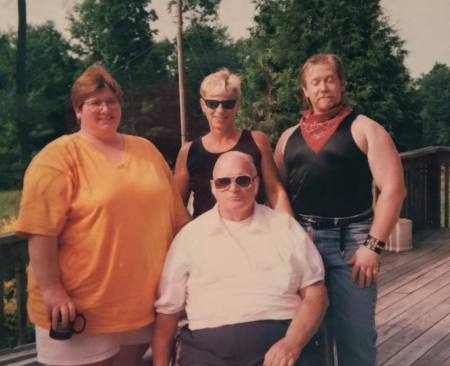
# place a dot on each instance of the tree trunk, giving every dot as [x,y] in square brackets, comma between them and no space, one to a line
[183,123]
[21,102]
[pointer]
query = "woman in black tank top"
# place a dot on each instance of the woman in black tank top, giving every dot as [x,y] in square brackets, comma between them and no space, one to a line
[219,100]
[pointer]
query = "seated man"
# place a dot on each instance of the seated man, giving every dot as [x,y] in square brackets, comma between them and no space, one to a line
[250,278]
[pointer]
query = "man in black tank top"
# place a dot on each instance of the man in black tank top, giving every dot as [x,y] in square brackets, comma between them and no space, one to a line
[328,162]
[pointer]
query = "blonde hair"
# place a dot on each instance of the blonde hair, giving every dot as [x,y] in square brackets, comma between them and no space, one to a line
[94,78]
[221,79]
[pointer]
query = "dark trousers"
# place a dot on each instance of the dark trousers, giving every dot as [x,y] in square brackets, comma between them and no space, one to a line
[243,344]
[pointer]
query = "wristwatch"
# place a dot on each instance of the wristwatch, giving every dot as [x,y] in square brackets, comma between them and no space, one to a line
[374,244]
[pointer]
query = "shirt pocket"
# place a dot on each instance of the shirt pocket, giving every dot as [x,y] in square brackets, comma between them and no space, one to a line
[282,280]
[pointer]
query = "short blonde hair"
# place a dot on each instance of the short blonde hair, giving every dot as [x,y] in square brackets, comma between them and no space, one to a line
[221,79]
[94,78]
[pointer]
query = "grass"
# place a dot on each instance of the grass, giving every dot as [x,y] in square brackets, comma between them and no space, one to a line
[9,208]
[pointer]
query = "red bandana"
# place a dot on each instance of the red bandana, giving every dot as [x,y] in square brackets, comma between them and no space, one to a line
[316,129]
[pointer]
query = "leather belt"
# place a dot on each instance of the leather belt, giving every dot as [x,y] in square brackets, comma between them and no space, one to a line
[321,223]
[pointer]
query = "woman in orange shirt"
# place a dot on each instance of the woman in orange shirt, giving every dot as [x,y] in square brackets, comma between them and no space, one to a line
[100,209]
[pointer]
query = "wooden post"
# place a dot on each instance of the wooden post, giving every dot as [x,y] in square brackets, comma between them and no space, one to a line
[183,126]
[21,104]
[2,306]
[20,304]
[446,194]
[434,191]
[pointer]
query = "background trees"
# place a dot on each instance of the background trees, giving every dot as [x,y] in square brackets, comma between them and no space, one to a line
[121,36]
[434,92]
[49,72]
[287,32]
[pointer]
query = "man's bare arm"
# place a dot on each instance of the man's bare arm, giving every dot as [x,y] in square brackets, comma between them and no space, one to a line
[163,338]
[303,326]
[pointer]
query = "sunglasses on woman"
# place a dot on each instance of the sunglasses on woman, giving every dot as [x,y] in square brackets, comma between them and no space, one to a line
[226,104]
[243,181]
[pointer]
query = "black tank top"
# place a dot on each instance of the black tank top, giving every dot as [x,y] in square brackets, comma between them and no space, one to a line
[334,182]
[200,164]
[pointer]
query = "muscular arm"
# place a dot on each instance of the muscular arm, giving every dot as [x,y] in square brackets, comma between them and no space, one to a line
[279,152]
[387,172]
[303,326]
[44,261]
[276,195]
[181,172]
[163,337]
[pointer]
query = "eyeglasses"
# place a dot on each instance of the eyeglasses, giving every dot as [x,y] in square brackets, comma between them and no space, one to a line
[243,181]
[98,103]
[226,104]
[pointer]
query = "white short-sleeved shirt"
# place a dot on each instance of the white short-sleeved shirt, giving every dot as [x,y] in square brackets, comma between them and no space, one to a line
[226,273]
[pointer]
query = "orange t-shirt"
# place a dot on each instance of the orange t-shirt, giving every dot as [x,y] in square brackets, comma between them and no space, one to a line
[114,223]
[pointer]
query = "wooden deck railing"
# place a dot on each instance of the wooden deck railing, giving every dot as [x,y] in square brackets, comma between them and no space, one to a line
[427,182]
[427,204]
[13,261]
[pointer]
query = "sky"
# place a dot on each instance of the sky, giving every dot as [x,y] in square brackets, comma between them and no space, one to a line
[424,25]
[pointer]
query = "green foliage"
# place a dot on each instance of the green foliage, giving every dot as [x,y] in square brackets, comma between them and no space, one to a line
[287,32]
[117,34]
[9,150]
[50,73]
[434,91]
[9,202]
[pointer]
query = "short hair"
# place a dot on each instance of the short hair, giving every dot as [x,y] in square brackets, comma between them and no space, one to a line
[94,78]
[238,154]
[322,58]
[223,78]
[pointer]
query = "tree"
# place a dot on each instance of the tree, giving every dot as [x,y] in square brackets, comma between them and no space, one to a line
[9,145]
[434,91]
[50,69]
[21,105]
[287,32]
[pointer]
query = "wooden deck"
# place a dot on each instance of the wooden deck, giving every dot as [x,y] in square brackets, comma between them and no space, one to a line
[413,309]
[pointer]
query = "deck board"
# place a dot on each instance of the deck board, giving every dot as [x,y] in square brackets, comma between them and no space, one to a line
[413,309]
[438,355]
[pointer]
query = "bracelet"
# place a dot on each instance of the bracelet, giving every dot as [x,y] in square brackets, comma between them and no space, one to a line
[374,244]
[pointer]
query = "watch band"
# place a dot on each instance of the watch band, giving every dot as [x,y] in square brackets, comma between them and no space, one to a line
[374,244]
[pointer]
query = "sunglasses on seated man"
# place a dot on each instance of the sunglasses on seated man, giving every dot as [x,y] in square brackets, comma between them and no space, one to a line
[226,104]
[243,181]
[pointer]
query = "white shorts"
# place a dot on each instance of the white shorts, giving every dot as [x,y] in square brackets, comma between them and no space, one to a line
[84,348]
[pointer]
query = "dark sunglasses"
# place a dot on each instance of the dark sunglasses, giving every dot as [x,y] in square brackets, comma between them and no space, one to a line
[226,104]
[243,181]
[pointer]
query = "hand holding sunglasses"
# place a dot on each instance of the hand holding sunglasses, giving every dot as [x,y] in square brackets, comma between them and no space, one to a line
[243,181]
[226,104]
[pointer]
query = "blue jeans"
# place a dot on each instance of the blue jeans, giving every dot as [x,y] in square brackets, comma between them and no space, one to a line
[351,315]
